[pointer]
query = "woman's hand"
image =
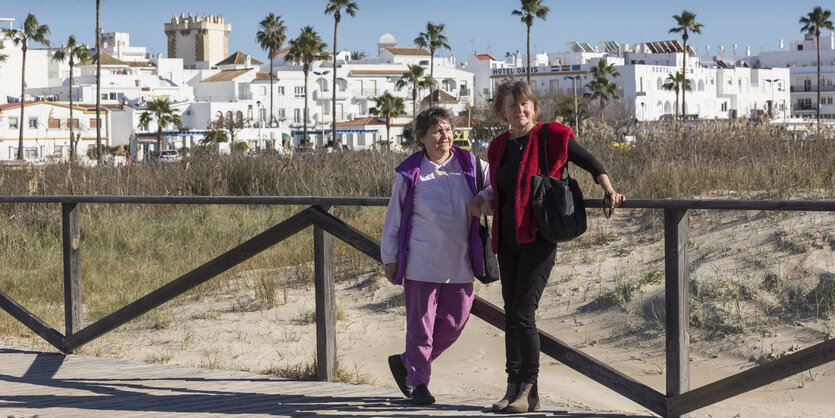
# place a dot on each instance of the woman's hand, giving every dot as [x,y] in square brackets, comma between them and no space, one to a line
[479,206]
[614,199]
[391,271]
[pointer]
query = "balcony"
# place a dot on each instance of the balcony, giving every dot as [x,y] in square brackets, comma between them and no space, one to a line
[328,95]
[465,92]
[364,94]
[811,89]
[801,107]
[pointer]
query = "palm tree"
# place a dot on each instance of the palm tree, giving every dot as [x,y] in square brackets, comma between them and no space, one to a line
[417,79]
[601,87]
[98,81]
[357,55]
[686,22]
[335,7]
[434,39]
[812,23]
[160,110]
[75,52]
[388,106]
[307,49]
[20,37]
[271,37]
[531,9]
[674,83]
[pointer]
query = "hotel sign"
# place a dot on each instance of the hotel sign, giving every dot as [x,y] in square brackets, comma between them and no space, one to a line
[553,69]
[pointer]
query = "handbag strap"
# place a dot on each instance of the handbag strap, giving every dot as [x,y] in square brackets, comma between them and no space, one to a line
[479,181]
[543,152]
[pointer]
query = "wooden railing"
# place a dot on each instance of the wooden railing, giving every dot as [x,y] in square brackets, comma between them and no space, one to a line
[677,401]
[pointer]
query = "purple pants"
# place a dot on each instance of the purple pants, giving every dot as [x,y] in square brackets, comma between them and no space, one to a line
[435,316]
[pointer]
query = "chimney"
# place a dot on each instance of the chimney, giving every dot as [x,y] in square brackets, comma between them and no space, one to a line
[721,50]
[707,50]
[781,44]
[734,49]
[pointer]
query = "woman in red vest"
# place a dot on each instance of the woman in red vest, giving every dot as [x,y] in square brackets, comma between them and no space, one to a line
[525,258]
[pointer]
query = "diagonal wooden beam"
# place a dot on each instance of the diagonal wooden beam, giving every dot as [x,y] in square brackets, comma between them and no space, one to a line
[753,378]
[188,281]
[589,366]
[32,322]
[348,234]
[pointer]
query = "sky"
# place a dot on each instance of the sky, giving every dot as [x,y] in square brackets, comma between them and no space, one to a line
[483,26]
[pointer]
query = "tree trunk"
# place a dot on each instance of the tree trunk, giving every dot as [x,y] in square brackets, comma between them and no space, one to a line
[22,102]
[431,75]
[159,137]
[72,145]
[818,103]
[414,102]
[304,138]
[677,103]
[98,82]
[388,131]
[271,92]
[333,102]
[683,73]
[602,108]
[528,70]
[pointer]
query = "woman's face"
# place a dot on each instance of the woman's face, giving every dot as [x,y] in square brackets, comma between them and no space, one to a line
[518,114]
[438,139]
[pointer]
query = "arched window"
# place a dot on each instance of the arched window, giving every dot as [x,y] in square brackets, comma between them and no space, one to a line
[659,108]
[239,117]
[701,85]
[660,83]
[668,107]
[229,114]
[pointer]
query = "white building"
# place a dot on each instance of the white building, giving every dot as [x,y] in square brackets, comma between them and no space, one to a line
[721,91]
[801,60]
[117,44]
[46,134]
[37,68]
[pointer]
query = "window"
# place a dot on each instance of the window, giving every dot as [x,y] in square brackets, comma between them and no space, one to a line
[74,123]
[297,115]
[298,91]
[113,96]
[54,123]
[281,113]
[33,123]
[13,123]
[724,106]
[30,152]
[59,150]
[281,90]
[93,123]
[104,96]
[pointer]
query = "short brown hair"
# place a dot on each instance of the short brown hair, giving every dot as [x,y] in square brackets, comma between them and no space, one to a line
[520,91]
[428,118]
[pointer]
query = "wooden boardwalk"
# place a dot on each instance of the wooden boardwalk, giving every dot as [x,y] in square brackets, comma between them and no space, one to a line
[51,385]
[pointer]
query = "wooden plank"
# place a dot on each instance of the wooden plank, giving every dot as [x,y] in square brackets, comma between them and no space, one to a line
[188,281]
[587,365]
[719,204]
[676,223]
[204,200]
[32,322]
[325,302]
[71,237]
[753,378]
[361,241]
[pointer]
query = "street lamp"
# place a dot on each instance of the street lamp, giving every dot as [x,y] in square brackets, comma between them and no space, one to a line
[322,103]
[771,82]
[573,78]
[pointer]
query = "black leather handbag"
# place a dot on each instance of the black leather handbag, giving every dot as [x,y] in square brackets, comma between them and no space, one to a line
[491,263]
[557,203]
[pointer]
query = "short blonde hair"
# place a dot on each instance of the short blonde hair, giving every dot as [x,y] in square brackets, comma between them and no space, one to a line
[520,91]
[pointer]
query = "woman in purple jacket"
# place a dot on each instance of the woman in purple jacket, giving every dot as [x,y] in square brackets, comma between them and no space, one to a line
[430,244]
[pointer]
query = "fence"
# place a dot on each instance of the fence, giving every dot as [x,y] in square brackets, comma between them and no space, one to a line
[677,401]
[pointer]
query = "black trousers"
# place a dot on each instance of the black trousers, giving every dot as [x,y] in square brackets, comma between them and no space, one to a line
[524,272]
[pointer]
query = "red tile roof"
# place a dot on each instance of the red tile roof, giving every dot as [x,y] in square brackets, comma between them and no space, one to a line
[371,72]
[484,57]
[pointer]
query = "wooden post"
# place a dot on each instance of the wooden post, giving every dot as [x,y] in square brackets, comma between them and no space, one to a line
[677,301]
[325,304]
[71,236]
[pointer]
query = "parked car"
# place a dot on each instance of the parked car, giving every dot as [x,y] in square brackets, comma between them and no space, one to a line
[462,143]
[167,156]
